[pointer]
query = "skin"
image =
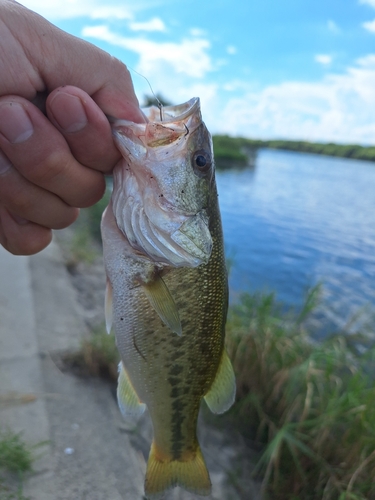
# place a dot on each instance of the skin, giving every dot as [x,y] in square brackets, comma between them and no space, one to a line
[53,164]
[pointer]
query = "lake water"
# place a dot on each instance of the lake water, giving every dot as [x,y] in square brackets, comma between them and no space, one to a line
[299,219]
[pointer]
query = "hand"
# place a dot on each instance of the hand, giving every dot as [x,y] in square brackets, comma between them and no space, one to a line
[52,165]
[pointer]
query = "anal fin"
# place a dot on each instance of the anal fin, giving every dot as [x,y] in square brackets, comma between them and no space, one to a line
[127,398]
[222,392]
[162,301]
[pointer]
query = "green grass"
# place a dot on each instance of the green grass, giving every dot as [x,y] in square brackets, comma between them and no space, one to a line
[92,216]
[16,459]
[98,356]
[311,406]
[85,243]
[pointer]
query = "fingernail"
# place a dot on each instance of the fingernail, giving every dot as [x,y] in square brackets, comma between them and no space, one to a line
[15,125]
[68,111]
[5,164]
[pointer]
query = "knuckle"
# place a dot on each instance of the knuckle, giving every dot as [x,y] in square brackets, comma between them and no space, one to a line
[19,200]
[50,169]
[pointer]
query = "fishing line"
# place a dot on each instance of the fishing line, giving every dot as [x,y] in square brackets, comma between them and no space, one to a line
[160,105]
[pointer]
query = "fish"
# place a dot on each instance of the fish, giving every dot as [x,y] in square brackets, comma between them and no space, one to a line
[167,288]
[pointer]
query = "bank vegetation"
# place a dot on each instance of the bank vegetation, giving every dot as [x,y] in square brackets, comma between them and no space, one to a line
[231,151]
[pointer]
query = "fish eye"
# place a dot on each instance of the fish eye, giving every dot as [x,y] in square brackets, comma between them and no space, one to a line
[201,162]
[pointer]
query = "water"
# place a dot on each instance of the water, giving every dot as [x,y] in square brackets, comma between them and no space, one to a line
[299,219]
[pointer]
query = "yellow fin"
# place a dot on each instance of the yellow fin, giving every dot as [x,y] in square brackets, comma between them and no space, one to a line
[191,475]
[128,401]
[222,392]
[162,301]
[108,308]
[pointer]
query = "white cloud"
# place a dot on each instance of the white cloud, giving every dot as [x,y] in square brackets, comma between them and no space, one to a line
[338,108]
[323,59]
[155,24]
[369,2]
[332,26]
[197,32]
[188,57]
[68,9]
[231,49]
[369,25]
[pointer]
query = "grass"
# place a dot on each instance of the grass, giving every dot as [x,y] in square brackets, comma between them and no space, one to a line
[98,356]
[311,406]
[85,242]
[16,459]
[92,216]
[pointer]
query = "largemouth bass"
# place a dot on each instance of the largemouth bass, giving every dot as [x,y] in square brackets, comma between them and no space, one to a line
[167,291]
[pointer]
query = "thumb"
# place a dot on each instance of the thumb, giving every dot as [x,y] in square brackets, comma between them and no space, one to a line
[61,59]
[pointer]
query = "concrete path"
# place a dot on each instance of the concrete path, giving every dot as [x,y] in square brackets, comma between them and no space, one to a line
[89,452]
[86,455]
[22,407]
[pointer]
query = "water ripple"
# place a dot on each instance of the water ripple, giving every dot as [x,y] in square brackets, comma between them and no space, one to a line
[300,219]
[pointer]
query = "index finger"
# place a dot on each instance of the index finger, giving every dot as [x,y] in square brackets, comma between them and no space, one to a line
[40,153]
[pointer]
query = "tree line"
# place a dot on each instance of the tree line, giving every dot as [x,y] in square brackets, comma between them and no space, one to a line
[235,150]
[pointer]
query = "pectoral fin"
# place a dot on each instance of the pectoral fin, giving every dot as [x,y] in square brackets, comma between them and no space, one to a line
[128,401]
[222,392]
[108,308]
[162,301]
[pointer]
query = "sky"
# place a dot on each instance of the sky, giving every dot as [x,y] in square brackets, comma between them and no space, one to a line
[285,69]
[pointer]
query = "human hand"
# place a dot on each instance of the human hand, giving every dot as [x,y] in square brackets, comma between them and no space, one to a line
[50,166]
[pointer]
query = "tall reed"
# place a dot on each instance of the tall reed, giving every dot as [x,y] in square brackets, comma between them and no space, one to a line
[311,405]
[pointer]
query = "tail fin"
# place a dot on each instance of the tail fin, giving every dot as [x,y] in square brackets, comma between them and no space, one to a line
[191,475]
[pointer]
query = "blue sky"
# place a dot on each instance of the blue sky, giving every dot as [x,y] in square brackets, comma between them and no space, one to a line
[293,69]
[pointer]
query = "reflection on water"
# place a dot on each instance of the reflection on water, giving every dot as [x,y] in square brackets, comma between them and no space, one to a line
[298,219]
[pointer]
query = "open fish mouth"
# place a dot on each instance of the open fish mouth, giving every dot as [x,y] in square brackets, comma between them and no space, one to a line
[164,125]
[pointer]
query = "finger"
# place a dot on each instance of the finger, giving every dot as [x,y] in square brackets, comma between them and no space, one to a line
[84,126]
[22,237]
[62,59]
[41,154]
[31,202]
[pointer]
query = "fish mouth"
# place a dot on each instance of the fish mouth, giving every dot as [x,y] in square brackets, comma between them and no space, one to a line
[165,125]
[179,112]
[188,246]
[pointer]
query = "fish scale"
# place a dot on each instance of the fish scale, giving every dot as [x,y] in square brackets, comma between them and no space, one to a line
[168,300]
